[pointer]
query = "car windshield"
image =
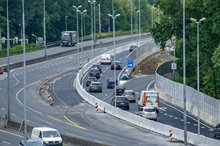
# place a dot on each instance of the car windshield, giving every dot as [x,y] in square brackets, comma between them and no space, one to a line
[65,38]
[96,84]
[129,93]
[149,110]
[51,134]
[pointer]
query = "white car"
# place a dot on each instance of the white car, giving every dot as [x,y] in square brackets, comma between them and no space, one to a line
[130,95]
[47,136]
[106,59]
[149,112]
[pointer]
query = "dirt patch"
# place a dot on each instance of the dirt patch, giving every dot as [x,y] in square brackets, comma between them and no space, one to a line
[150,64]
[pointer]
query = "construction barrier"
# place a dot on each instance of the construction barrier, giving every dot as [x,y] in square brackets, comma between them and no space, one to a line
[46,81]
[50,99]
[42,88]
[170,135]
[96,107]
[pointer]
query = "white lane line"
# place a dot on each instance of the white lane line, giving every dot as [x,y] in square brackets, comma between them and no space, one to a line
[181,120]
[188,122]
[22,103]
[170,116]
[3,131]
[195,125]
[165,114]
[5,142]
[3,109]
[187,114]
[176,118]
[13,114]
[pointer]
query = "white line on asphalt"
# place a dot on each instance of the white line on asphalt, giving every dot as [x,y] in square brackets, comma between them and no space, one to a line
[195,125]
[148,86]
[181,120]
[188,122]
[187,114]
[3,131]
[3,109]
[5,142]
[170,116]
[176,118]
[13,114]
[22,103]
[165,114]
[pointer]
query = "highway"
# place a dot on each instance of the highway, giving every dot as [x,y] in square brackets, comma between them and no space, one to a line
[169,114]
[72,117]
[9,138]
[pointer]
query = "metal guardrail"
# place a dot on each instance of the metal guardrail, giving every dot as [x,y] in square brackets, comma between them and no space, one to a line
[208,107]
[134,119]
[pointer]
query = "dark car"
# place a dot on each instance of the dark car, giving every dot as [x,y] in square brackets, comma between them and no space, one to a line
[99,66]
[94,72]
[89,80]
[95,87]
[217,131]
[1,70]
[120,89]
[121,102]
[111,82]
[117,65]
[132,47]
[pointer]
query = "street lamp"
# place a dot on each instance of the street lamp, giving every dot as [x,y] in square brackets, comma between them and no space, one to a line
[91,3]
[45,48]
[66,22]
[82,12]
[77,9]
[20,25]
[131,19]
[198,23]
[99,19]
[113,18]
[158,17]
[35,37]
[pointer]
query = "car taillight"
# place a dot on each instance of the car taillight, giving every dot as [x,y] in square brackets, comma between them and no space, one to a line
[117,101]
[126,101]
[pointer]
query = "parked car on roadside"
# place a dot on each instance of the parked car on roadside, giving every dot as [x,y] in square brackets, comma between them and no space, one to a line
[95,87]
[130,95]
[121,102]
[117,65]
[89,80]
[217,131]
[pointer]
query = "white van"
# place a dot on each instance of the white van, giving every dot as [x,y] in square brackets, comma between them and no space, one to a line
[106,59]
[149,98]
[47,136]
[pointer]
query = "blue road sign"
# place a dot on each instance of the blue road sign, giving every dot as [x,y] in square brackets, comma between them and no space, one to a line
[130,63]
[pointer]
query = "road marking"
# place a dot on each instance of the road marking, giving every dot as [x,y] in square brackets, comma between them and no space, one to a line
[165,114]
[195,125]
[182,113]
[74,124]
[181,120]
[6,142]
[3,109]
[3,131]
[13,114]
[170,116]
[176,118]
[188,122]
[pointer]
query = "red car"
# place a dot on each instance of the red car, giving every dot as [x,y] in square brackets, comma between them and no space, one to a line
[1,70]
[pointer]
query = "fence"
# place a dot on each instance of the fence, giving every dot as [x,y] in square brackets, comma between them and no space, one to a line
[172,92]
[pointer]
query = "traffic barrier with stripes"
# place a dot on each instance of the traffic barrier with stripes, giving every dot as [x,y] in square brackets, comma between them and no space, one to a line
[42,88]
[46,81]
[96,107]
[49,99]
[170,135]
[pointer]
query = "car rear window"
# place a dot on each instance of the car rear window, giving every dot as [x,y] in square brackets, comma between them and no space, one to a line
[149,110]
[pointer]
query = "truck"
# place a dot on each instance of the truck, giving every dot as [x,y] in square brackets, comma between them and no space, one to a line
[149,98]
[68,38]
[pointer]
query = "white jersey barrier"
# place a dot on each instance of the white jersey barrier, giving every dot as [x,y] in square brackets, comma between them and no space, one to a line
[135,119]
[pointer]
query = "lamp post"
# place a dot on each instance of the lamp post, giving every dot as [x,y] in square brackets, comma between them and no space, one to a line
[77,9]
[113,18]
[184,74]
[21,30]
[131,19]
[66,22]
[8,69]
[158,17]
[198,22]
[91,3]
[24,70]
[99,18]
[82,12]
[45,47]
[94,24]
[35,37]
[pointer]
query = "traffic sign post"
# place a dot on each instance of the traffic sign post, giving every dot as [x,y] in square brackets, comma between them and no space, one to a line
[130,64]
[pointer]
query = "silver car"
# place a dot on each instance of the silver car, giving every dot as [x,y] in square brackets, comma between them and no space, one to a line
[130,95]
[149,112]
